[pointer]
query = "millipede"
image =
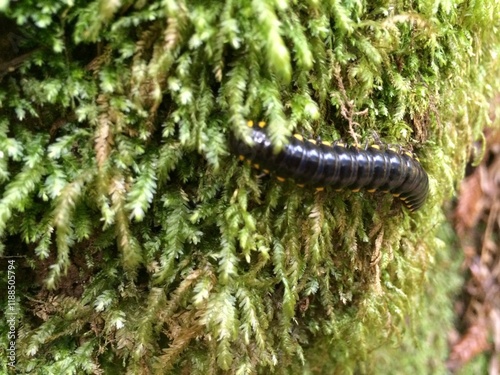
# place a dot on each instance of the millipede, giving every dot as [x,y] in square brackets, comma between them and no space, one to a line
[319,164]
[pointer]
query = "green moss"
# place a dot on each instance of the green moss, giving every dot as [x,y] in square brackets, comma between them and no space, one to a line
[150,249]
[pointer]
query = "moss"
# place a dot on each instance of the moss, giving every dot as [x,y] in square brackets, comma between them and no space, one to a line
[148,248]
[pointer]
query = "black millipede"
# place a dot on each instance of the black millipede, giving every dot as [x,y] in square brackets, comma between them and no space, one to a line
[320,164]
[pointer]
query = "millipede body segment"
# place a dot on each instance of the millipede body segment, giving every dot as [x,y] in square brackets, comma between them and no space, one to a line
[321,164]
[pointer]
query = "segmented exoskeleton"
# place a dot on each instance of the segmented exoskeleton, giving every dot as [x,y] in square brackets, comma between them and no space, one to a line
[321,164]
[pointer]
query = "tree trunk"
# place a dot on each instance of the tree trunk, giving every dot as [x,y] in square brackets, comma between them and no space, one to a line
[138,241]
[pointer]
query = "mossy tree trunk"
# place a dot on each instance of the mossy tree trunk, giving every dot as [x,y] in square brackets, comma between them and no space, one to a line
[146,247]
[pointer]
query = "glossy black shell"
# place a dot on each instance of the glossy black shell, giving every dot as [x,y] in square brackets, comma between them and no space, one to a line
[339,166]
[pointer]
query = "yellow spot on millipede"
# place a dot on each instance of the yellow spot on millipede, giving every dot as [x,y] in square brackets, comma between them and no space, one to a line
[372,190]
[280,179]
[300,185]
[320,188]
[241,157]
[266,171]
[256,166]
[299,137]
[355,190]
[326,143]
[312,141]
[250,124]
[262,124]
